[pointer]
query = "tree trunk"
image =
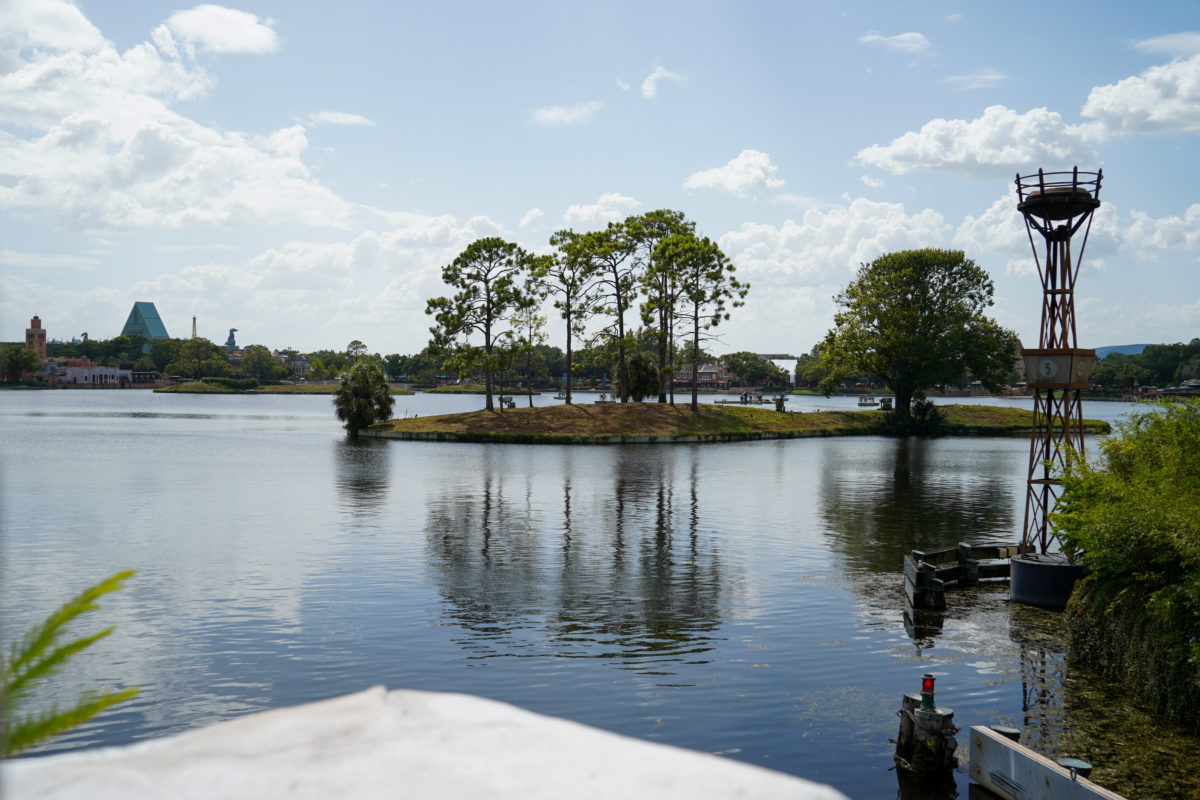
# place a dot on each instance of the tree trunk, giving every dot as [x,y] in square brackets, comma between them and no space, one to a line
[622,368]
[567,381]
[663,316]
[696,359]
[904,403]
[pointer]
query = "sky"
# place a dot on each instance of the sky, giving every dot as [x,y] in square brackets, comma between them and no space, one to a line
[301,171]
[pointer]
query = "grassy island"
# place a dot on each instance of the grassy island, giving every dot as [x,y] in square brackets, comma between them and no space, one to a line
[619,423]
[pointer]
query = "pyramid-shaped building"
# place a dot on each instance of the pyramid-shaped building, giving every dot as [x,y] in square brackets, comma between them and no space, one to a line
[144,320]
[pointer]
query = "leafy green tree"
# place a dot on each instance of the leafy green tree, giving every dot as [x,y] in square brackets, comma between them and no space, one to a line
[752,370]
[334,360]
[611,254]
[39,654]
[164,352]
[643,375]
[17,360]
[659,279]
[258,362]
[489,276]
[529,332]
[362,397]
[200,358]
[90,348]
[706,277]
[570,278]
[145,364]
[354,351]
[914,319]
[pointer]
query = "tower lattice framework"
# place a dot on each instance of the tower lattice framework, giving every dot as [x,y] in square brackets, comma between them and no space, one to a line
[1056,205]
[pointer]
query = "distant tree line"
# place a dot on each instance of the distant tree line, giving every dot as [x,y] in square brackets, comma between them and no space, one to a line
[1160,365]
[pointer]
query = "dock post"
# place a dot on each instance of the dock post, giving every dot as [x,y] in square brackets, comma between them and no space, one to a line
[926,740]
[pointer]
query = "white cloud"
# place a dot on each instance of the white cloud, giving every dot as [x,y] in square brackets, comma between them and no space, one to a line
[1137,319]
[610,207]
[999,229]
[952,18]
[622,85]
[650,85]
[1021,267]
[12,259]
[1162,98]
[339,118]
[750,169]
[50,23]
[554,116]
[874,183]
[827,245]
[532,217]
[217,29]
[999,141]
[95,142]
[1167,233]
[982,78]
[906,43]
[1173,44]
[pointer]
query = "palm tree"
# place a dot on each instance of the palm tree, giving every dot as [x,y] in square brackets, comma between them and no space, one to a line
[362,397]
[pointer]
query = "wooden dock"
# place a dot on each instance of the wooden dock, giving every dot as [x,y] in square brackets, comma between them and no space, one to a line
[928,573]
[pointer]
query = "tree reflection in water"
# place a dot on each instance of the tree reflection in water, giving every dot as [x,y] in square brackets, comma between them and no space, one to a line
[614,568]
[903,494]
[363,472]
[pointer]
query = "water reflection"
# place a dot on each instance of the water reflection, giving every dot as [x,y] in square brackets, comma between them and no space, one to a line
[880,502]
[625,574]
[363,472]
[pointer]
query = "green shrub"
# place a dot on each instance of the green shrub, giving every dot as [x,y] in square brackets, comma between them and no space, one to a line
[1134,520]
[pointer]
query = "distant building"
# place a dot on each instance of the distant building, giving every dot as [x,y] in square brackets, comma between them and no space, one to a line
[35,337]
[77,373]
[144,320]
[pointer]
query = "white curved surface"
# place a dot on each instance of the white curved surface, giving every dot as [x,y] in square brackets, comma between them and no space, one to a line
[381,744]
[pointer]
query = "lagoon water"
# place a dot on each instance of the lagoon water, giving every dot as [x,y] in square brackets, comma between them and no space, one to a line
[741,599]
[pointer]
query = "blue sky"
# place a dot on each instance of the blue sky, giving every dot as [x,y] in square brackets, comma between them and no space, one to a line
[301,171]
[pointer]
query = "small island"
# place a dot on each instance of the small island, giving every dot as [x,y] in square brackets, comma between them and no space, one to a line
[632,423]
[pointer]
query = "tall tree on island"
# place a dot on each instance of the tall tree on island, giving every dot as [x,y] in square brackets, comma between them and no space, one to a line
[708,289]
[571,279]
[611,252]
[659,279]
[914,319]
[489,276]
[527,335]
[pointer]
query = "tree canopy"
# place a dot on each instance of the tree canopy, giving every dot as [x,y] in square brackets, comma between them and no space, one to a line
[708,288]
[362,397]
[915,319]
[16,359]
[490,276]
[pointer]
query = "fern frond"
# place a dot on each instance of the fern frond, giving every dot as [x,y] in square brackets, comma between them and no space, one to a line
[39,639]
[35,729]
[19,684]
